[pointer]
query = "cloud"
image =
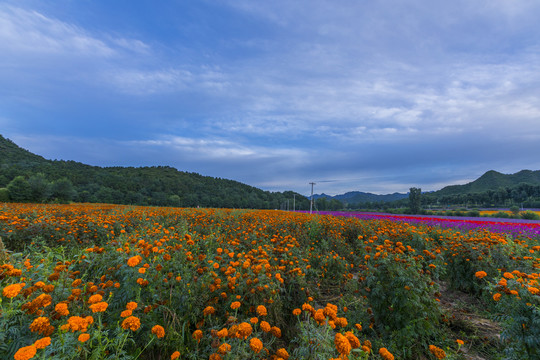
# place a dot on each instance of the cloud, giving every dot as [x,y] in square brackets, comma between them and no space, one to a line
[394,94]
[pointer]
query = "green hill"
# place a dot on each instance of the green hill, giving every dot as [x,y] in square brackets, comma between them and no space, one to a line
[492,180]
[27,177]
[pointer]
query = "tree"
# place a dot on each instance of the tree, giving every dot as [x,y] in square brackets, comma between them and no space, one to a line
[19,189]
[40,187]
[63,190]
[415,201]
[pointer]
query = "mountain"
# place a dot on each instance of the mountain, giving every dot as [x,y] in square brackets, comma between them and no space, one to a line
[355,197]
[27,177]
[492,180]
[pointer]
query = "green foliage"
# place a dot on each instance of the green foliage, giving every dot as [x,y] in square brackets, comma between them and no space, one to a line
[415,200]
[398,295]
[41,180]
[529,215]
[20,190]
[4,195]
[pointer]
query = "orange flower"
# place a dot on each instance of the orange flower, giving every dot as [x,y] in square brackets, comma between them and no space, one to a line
[480,274]
[209,310]
[132,323]
[25,353]
[261,310]
[387,355]
[224,348]
[40,325]
[132,305]
[256,345]
[244,330]
[134,261]
[438,352]
[158,330]
[342,344]
[76,323]
[282,353]
[276,331]
[175,355]
[197,335]
[95,299]
[353,340]
[235,305]
[99,307]
[460,342]
[11,291]
[84,337]
[43,343]
[265,326]
[296,312]
[508,275]
[62,309]
[497,297]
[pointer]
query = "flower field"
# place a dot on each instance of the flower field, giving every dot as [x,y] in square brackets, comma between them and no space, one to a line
[118,282]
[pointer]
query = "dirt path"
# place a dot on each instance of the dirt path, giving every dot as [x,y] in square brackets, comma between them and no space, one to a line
[481,335]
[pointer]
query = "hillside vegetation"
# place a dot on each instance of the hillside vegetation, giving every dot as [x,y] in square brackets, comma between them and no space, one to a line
[26,177]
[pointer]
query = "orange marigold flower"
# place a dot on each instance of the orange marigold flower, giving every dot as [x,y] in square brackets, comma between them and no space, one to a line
[197,335]
[209,310]
[282,353]
[261,310]
[460,342]
[508,275]
[235,305]
[480,274]
[126,313]
[99,307]
[77,323]
[533,290]
[134,260]
[11,291]
[224,348]
[244,330]
[276,331]
[132,305]
[175,355]
[25,353]
[296,312]
[40,325]
[84,337]
[342,344]
[222,333]
[265,326]
[387,355]
[62,309]
[497,297]
[132,323]
[353,340]
[95,299]
[256,345]
[254,320]
[438,352]
[158,330]
[43,343]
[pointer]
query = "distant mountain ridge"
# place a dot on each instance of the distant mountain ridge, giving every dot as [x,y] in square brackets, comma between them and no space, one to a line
[27,177]
[492,180]
[355,197]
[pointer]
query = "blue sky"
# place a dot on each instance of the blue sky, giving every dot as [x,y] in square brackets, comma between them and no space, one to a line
[374,96]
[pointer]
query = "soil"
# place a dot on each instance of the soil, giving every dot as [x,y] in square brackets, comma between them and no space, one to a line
[482,336]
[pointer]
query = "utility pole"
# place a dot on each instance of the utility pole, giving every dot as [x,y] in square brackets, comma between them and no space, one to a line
[311,202]
[294,202]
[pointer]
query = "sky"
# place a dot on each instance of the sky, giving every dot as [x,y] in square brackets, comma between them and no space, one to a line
[373,96]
